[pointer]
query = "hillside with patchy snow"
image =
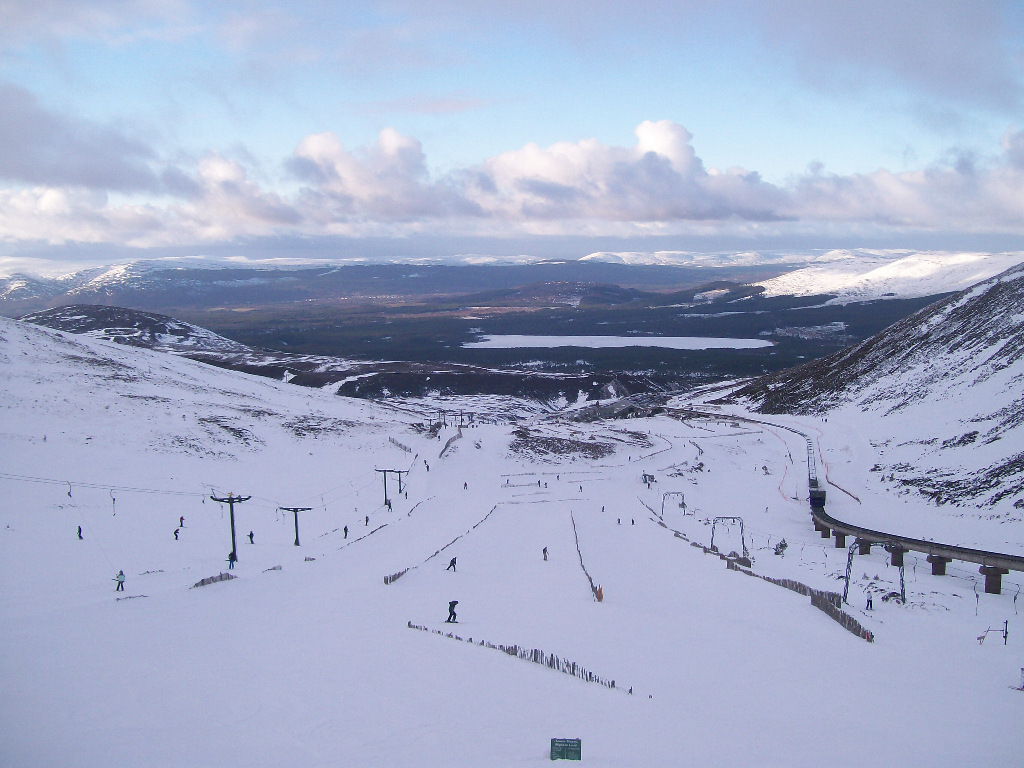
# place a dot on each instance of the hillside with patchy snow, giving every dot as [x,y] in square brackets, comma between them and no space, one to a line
[940,395]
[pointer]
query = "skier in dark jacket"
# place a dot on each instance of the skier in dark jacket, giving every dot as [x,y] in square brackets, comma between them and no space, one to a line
[79,531]
[451,612]
[545,554]
[367,521]
[451,565]
[346,531]
[231,560]
[176,533]
[250,538]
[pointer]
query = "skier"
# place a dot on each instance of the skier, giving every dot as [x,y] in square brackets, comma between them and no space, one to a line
[176,533]
[388,504]
[367,521]
[602,507]
[632,521]
[346,531]
[120,581]
[869,606]
[181,521]
[79,532]
[250,538]
[451,565]
[451,612]
[581,489]
[620,521]
[231,560]
[545,554]
[465,486]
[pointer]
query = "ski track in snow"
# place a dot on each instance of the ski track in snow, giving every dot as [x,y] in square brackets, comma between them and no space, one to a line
[314,664]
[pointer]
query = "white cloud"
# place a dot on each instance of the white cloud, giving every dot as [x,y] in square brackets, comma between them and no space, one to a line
[656,186]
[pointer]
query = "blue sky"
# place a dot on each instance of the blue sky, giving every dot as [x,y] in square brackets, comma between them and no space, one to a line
[173,124]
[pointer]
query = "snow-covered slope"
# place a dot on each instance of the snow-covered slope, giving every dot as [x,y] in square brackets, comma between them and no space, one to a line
[940,395]
[864,275]
[315,664]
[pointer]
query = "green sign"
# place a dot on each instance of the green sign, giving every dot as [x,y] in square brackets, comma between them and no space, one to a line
[566,749]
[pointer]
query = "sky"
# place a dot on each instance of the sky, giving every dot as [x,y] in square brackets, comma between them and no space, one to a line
[170,126]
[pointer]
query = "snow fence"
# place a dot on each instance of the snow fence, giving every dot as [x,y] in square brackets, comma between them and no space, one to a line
[214,579]
[827,602]
[536,655]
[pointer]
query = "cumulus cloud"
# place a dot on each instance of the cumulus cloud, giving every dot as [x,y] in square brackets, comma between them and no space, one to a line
[657,185]
[387,181]
[659,179]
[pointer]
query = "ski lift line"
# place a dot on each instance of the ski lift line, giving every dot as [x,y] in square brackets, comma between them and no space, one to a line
[95,486]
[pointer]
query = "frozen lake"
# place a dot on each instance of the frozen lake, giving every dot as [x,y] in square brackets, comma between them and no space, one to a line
[607,342]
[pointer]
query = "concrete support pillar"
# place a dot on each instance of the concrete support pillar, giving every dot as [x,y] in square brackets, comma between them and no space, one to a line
[840,540]
[993,579]
[938,564]
[825,532]
[817,525]
[897,556]
[865,548]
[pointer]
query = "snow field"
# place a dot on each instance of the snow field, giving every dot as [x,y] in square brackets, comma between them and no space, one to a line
[314,664]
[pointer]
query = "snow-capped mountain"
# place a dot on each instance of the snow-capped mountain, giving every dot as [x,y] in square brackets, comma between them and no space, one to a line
[939,395]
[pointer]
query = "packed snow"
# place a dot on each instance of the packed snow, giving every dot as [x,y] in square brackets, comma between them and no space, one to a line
[865,275]
[317,662]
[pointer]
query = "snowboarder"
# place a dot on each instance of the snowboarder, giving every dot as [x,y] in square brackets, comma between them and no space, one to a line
[545,554]
[346,531]
[176,533]
[250,538]
[231,560]
[451,565]
[869,606]
[79,532]
[451,612]
[120,581]
[181,521]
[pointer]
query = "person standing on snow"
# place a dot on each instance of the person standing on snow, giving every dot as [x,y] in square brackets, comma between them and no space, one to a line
[231,560]
[465,486]
[451,612]
[181,521]
[451,565]
[367,521]
[79,532]
[545,554]
[176,533]
[346,531]
[250,538]
[120,581]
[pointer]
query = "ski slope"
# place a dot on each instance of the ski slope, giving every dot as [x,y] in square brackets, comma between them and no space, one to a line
[315,664]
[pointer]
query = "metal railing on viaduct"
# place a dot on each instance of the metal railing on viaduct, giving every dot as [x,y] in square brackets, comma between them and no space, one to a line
[993,565]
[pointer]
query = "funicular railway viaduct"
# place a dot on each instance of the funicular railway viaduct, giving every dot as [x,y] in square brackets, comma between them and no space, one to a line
[992,565]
